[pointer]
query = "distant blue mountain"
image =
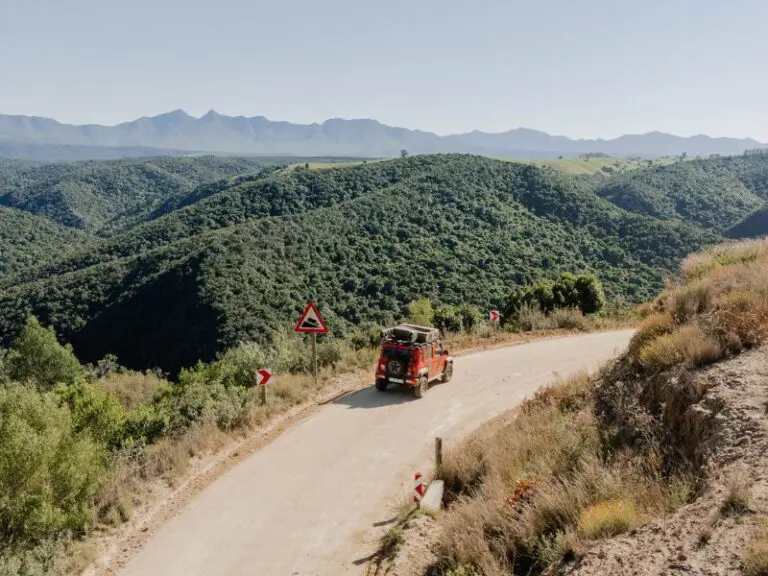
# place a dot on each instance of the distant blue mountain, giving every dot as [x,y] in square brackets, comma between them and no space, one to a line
[177,132]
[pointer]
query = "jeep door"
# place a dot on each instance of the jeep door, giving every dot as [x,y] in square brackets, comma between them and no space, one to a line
[438,361]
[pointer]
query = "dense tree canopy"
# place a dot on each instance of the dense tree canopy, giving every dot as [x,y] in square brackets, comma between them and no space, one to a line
[190,256]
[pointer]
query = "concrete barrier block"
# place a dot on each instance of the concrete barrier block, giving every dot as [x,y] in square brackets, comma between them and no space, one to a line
[433,499]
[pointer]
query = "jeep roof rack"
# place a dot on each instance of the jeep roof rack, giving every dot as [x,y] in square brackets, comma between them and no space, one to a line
[411,333]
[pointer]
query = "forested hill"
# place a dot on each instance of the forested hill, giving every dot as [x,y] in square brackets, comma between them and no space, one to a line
[192,268]
[112,194]
[716,193]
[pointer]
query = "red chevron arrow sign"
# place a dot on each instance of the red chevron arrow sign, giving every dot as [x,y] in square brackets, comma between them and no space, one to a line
[263,376]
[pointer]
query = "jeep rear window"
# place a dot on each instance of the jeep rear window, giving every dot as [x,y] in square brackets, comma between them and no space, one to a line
[397,353]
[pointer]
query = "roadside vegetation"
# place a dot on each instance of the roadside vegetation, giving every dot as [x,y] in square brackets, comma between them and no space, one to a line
[600,455]
[79,442]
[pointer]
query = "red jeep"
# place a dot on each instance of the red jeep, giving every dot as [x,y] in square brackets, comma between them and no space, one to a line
[412,356]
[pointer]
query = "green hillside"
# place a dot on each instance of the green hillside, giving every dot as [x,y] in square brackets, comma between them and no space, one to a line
[608,165]
[238,263]
[715,193]
[28,241]
[754,225]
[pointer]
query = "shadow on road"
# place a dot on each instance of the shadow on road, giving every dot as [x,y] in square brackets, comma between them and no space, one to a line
[371,398]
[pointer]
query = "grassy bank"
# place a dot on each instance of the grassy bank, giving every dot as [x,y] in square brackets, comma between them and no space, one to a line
[600,455]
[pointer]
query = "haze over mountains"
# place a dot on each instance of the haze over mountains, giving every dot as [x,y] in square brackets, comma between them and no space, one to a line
[178,133]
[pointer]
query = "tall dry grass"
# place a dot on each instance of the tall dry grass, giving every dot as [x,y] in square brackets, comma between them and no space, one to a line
[534,486]
[718,308]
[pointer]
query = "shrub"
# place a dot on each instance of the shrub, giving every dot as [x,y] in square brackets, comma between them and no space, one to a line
[366,335]
[607,519]
[583,292]
[37,356]
[239,366]
[590,291]
[196,398]
[95,412]
[568,318]
[420,312]
[330,353]
[530,318]
[447,319]
[48,473]
[470,317]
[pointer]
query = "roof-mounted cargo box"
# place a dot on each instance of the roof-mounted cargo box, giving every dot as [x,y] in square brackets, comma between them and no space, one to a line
[412,334]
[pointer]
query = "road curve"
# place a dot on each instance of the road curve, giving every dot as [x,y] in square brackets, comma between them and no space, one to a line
[314,501]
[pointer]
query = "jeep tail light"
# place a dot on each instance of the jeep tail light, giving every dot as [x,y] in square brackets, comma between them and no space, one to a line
[413,366]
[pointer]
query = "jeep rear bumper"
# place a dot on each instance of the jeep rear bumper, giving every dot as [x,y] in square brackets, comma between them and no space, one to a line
[395,380]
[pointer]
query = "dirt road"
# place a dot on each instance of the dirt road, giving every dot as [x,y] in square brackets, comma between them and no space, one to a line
[314,502]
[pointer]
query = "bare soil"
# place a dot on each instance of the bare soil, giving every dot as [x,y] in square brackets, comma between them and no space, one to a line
[703,537]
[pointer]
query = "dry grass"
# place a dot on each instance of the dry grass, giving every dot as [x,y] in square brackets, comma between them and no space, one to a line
[705,532]
[132,389]
[551,447]
[170,457]
[719,308]
[607,519]
[755,557]
[531,319]
[700,264]
[688,345]
[738,498]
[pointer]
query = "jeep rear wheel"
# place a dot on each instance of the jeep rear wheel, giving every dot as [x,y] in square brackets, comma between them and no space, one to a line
[421,387]
[448,372]
[381,385]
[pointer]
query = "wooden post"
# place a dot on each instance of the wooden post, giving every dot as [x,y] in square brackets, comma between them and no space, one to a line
[438,455]
[263,394]
[314,356]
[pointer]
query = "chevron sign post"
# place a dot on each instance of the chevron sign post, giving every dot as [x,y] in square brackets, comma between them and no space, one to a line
[262,377]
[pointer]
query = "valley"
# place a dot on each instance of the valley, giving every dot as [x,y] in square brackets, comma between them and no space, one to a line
[167,283]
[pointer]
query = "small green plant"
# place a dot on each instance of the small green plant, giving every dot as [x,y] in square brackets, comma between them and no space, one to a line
[391,542]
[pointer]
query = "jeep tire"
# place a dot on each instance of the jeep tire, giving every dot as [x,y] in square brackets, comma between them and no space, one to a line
[448,372]
[381,384]
[421,387]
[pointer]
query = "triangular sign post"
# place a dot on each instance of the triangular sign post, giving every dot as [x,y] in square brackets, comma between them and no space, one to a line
[311,322]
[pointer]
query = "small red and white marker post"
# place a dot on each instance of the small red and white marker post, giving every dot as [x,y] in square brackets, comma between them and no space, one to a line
[418,489]
[495,316]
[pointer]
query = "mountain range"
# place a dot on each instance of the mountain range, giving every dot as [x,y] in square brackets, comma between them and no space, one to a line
[177,133]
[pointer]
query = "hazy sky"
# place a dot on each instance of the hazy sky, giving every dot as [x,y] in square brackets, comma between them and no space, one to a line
[583,68]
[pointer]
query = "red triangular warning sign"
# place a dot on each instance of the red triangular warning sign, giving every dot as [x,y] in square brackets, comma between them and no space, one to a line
[311,321]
